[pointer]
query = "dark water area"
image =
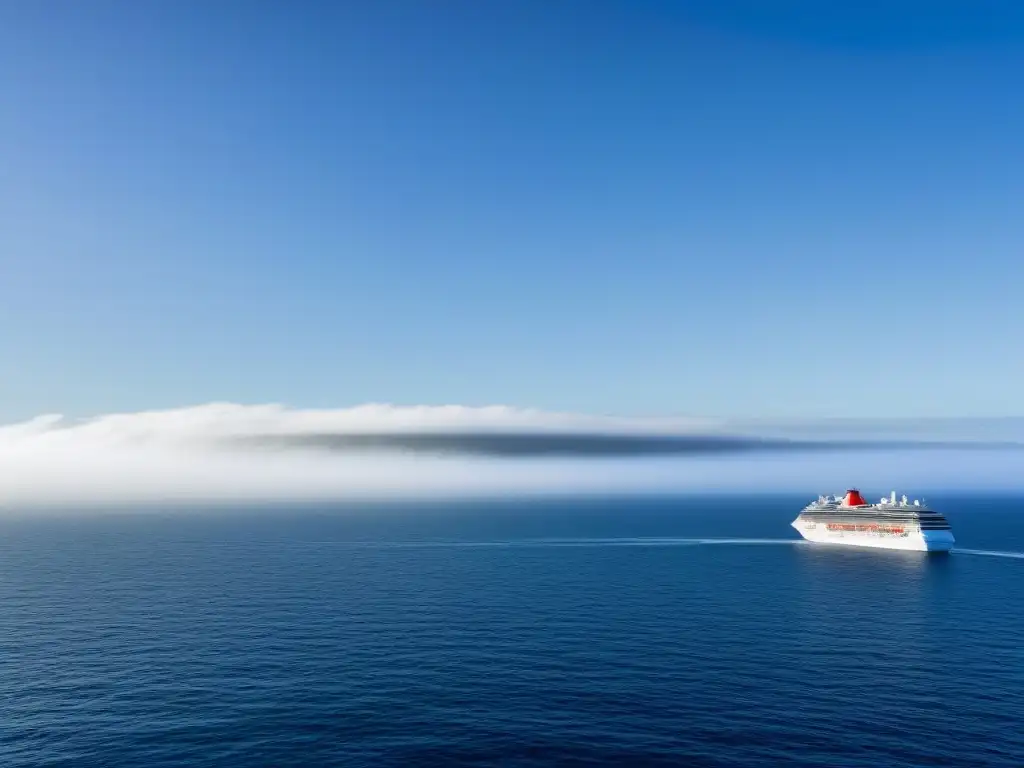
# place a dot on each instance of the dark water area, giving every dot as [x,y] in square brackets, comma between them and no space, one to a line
[690,631]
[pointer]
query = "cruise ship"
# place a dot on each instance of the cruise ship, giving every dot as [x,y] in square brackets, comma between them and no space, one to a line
[889,524]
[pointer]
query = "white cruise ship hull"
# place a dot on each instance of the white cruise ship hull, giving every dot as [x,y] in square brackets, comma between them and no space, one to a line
[908,540]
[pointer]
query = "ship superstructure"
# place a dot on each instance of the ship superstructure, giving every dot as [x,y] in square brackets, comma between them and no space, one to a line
[889,524]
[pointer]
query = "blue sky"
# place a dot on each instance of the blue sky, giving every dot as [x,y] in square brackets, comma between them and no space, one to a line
[727,209]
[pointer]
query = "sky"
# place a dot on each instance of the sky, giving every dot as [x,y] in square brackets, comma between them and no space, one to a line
[725,209]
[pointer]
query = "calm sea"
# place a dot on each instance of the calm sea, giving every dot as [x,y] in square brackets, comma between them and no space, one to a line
[573,632]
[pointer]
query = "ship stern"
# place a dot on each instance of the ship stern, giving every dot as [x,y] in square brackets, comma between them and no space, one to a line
[801,526]
[938,541]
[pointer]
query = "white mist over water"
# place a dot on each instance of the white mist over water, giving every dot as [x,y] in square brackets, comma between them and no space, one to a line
[213,453]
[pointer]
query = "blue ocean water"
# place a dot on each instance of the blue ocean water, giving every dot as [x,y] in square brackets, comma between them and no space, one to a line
[559,632]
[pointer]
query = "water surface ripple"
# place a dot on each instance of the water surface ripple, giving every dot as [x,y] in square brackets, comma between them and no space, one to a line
[630,632]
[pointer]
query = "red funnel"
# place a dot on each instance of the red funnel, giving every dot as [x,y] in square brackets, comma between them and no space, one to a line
[853,498]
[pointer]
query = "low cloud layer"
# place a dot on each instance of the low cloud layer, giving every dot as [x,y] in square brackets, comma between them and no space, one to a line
[227,452]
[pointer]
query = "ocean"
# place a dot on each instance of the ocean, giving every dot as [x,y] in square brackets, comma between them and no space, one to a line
[620,631]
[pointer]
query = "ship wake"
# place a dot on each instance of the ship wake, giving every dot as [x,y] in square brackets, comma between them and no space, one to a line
[990,553]
[631,541]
